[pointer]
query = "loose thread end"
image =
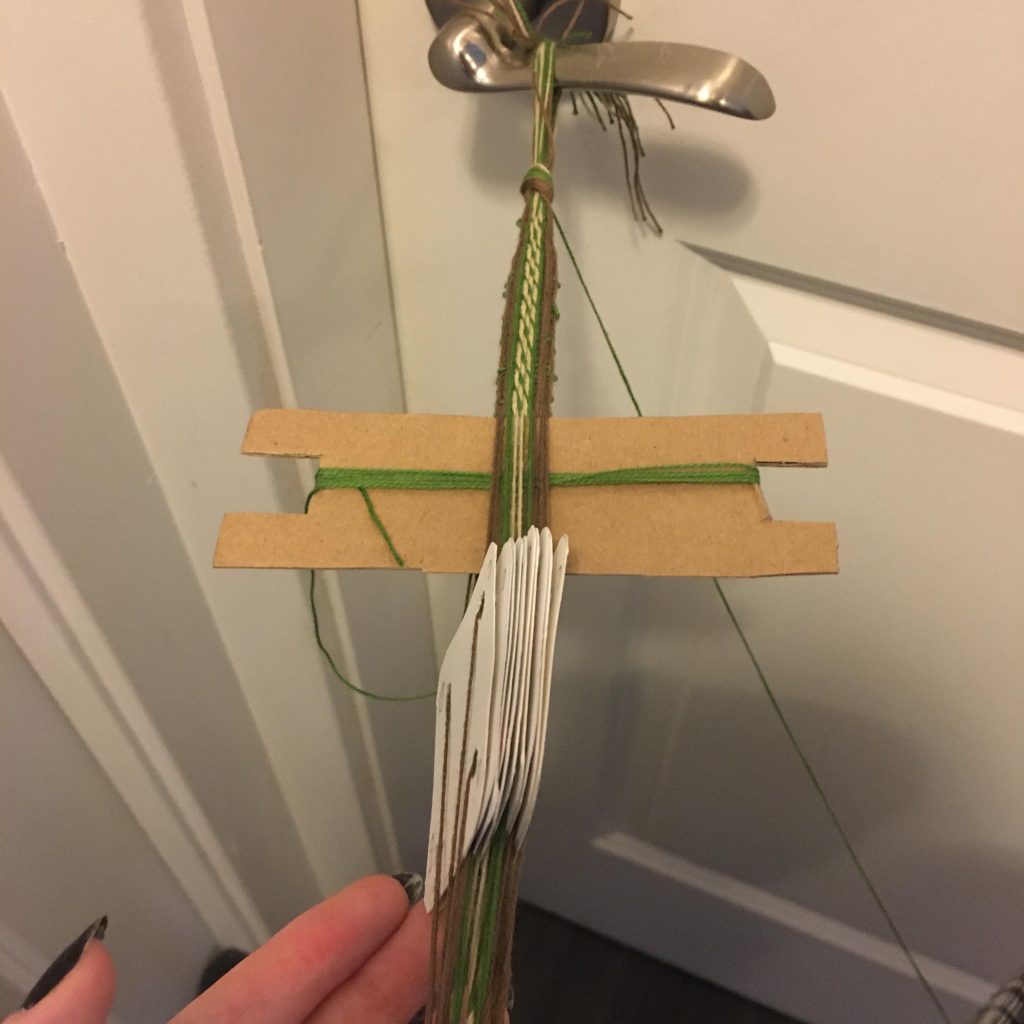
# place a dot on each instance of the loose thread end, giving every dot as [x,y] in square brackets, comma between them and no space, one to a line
[332,665]
[378,522]
[318,636]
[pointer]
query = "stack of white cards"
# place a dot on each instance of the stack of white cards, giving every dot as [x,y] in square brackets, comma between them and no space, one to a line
[492,704]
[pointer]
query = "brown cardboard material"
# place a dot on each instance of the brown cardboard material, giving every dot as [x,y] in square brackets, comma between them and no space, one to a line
[644,530]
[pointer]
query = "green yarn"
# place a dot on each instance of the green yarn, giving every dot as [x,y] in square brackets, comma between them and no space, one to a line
[330,660]
[362,480]
[381,528]
[491,895]
[597,315]
[341,477]
[333,477]
[682,473]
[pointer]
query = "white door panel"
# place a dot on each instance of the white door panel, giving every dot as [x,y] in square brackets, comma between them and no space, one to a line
[900,678]
[892,162]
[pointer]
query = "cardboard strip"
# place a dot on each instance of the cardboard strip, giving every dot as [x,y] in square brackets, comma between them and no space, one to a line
[662,530]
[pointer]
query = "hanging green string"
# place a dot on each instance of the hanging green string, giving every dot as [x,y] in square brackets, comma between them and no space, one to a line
[812,775]
[780,715]
[331,664]
[330,660]
[597,315]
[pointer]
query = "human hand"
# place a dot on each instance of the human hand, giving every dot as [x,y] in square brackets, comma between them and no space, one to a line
[360,957]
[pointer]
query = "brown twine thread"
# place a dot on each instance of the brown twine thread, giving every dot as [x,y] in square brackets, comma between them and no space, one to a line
[460,878]
[439,1006]
[543,370]
[435,924]
[618,110]
[544,388]
[501,393]
[538,179]
[501,981]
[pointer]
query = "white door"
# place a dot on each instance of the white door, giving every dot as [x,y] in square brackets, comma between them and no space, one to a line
[193,231]
[171,751]
[869,238]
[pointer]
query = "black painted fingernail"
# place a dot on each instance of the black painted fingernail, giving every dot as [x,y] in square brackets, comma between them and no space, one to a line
[66,960]
[412,884]
[218,965]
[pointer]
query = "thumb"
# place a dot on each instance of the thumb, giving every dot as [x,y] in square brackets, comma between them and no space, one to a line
[83,996]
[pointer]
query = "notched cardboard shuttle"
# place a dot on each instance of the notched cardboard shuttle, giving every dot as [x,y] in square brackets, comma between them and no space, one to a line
[643,530]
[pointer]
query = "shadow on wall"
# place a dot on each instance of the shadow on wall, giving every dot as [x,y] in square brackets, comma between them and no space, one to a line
[730,792]
[676,744]
[683,176]
[691,758]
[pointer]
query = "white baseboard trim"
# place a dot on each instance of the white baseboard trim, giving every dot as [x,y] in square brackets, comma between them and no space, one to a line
[819,927]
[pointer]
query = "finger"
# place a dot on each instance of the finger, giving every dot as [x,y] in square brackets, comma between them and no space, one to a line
[391,986]
[287,977]
[83,996]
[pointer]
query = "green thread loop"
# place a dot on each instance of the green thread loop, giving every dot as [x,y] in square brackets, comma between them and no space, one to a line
[539,179]
[330,660]
[540,173]
[362,480]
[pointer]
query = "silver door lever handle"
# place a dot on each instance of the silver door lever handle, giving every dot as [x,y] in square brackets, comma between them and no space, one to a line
[467,55]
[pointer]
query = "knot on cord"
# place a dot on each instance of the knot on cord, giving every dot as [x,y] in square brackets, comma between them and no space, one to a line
[538,179]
